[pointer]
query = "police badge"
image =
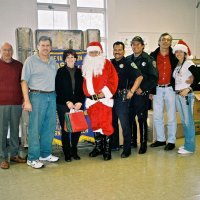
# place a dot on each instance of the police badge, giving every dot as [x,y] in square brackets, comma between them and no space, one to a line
[121,66]
[134,65]
[144,64]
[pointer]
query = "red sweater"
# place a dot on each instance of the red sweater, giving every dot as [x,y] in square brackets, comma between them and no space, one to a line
[10,87]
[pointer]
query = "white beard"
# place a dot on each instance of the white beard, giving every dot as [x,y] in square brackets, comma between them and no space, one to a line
[93,66]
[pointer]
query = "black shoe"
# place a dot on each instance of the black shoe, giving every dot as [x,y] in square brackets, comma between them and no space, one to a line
[125,154]
[76,157]
[143,148]
[107,157]
[169,146]
[95,152]
[157,144]
[134,144]
[68,158]
[115,149]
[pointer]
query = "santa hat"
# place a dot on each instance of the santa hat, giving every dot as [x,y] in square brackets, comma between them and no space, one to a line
[181,45]
[94,46]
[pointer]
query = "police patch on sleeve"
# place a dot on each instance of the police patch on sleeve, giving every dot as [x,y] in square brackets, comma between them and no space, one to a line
[134,65]
[154,63]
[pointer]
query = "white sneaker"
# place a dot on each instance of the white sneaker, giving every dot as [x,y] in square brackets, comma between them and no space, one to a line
[49,158]
[35,164]
[183,151]
[181,147]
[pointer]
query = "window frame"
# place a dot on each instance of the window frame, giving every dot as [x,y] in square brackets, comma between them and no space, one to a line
[72,9]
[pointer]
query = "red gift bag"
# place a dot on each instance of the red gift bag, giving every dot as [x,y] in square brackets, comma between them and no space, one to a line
[75,122]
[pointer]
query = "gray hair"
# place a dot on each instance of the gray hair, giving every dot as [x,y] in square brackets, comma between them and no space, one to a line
[45,38]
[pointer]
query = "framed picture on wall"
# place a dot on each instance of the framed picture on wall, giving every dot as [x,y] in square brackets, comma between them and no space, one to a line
[175,41]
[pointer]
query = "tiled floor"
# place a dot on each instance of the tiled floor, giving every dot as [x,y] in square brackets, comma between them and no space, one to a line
[156,175]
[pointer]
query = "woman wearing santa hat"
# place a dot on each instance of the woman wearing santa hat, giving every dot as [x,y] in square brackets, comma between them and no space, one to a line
[184,95]
[99,86]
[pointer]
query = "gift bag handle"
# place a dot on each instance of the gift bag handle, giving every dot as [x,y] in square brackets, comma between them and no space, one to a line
[72,110]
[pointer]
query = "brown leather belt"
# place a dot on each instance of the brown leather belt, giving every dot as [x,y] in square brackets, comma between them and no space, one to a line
[41,91]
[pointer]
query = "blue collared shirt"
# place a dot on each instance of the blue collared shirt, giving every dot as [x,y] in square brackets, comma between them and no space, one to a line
[38,74]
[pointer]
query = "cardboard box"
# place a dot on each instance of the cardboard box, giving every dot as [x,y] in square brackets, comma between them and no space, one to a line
[179,133]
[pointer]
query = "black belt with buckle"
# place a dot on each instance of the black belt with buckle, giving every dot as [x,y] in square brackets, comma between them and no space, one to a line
[95,97]
[41,91]
[164,86]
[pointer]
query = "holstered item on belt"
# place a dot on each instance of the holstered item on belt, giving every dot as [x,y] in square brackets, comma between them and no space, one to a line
[122,93]
[186,97]
[145,93]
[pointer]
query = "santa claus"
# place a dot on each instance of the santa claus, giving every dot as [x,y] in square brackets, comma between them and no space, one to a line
[100,84]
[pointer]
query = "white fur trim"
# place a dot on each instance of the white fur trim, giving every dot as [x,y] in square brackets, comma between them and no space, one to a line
[180,47]
[99,130]
[106,102]
[107,92]
[190,57]
[89,85]
[93,48]
[89,102]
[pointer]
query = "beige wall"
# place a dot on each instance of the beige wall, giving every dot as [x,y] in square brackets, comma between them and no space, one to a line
[148,18]
[16,13]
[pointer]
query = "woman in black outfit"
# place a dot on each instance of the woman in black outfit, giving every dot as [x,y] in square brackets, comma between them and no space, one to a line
[70,95]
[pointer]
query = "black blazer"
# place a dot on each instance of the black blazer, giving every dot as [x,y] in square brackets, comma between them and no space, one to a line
[63,86]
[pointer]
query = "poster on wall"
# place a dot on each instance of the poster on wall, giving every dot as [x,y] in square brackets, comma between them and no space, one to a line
[62,39]
[24,43]
[57,54]
[126,38]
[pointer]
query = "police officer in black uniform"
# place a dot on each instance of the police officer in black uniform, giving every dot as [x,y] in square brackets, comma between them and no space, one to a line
[140,102]
[129,81]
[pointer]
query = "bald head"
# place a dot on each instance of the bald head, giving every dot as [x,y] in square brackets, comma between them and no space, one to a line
[6,52]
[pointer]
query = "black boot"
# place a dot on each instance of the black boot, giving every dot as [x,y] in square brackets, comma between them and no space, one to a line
[66,146]
[143,137]
[107,148]
[134,134]
[74,141]
[74,153]
[98,149]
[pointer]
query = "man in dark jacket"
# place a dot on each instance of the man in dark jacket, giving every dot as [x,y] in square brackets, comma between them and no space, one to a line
[140,101]
[164,93]
[129,80]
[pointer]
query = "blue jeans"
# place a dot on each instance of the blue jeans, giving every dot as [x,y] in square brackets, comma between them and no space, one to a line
[42,124]
[121,112]
[185,109]
[165,97]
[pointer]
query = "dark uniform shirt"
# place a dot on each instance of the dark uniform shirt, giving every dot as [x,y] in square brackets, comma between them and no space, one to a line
[126,73]
[147,67]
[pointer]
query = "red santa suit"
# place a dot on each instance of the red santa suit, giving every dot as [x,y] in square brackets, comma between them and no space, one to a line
[100,111]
